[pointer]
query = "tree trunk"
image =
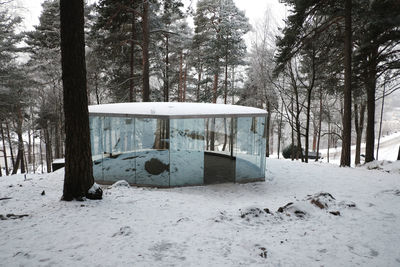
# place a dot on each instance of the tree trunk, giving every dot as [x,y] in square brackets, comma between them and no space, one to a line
[17,162]
[398,155]
[41,150]
[78,177]
[371,87]
[225,136]
[233,85]
[166,81]
[268,129]
[47,141]
[29,146]
[215,88]
[359,126]
[132,93]
[307,125]
[329,138]
[380,122]
[145,50]
[292,128]
[184,84]
[212,135]
[20,155]
[10,144]
[280,131]
[4,149]
[180,76]
[198,86]
[345,159]
[226,79]
[33,153]
[271,138]
[57,141]
[319,124]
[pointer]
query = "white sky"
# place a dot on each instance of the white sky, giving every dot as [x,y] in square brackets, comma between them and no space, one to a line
[255,9]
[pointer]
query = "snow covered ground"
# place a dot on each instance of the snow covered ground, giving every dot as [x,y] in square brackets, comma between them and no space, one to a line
[338,217]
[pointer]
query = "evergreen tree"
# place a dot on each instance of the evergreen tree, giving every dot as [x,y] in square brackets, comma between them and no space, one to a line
[78,178]
[219,30]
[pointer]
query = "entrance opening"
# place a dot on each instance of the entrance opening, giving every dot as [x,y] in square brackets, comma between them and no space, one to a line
[219,161]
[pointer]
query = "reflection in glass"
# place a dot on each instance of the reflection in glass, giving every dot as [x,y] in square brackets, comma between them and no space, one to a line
[250,148]
[118,156]
[152,154]
[96,142]
[187,151]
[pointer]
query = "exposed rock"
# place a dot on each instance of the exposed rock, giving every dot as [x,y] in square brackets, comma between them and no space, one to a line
[95,192]
[11,216]
[282,209]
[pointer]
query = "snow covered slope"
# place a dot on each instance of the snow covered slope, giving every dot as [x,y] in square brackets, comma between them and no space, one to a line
[338,217]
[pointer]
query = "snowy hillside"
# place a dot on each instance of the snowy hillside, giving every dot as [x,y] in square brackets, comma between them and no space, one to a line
[338,217]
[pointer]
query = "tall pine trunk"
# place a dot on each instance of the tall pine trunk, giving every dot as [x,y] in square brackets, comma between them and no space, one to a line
[268,129]
[359,126]
[132,90]
[48,144]
[4,149]
[10,144]
[319,123]
[371,87]
[345,159]
[78,177]
[145,51]
[215,88]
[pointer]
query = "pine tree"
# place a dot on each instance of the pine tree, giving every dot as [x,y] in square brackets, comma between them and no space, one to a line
[78,159]
[218,40]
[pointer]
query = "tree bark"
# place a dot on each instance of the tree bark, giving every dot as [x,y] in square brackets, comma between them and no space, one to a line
[166,81]
[4,149]
[359,126]
[184,84]
[78,177]
[280,131]
[132,91]
[398,155]
[198,86]
[10,144]
[371,86]
[380,122]
[180,76]
[145,51]
[20,155]
[319,124]
[345,159]
[268,129]
[48,144]
[215,88]
[226,79]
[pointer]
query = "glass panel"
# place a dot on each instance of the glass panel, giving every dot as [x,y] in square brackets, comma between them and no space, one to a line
[118,156]
[96,142]
[218,133]
[250,148]
[152,151]
[187,151]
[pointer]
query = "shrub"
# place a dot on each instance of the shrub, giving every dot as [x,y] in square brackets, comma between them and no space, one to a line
[287,151]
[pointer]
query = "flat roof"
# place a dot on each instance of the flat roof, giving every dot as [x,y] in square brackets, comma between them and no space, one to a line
[174,110]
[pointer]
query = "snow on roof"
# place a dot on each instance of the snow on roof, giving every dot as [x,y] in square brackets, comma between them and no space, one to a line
[174,110]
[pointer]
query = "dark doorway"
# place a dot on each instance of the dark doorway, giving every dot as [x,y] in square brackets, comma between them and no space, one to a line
[218,168]
[219,162]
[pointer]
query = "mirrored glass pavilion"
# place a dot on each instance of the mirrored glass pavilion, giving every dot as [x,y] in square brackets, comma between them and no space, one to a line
[168,144]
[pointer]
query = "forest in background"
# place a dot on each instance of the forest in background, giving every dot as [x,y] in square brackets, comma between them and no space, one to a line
[148,51]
